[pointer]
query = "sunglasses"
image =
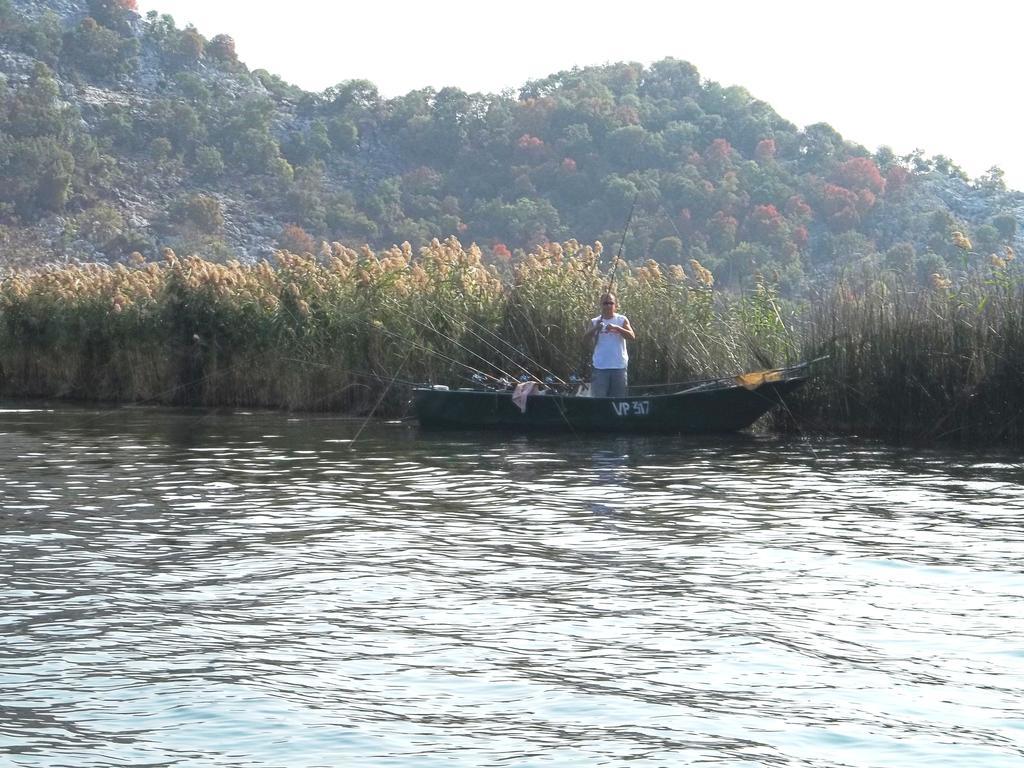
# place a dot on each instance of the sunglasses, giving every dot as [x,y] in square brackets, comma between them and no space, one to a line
[607,303]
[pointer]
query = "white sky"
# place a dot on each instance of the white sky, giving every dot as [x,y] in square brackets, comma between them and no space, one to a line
[941,76]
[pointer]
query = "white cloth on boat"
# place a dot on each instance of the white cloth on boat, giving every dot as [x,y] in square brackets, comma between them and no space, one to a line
[523,391]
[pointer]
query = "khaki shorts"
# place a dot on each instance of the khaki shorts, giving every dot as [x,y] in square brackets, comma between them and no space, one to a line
[608,382]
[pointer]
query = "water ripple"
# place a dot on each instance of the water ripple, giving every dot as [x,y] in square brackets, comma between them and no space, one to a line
[188,589]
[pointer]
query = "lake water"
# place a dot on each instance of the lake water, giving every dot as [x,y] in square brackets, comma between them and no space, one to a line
[193,589]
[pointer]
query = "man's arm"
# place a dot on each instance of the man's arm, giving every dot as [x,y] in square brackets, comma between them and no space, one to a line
[625,330]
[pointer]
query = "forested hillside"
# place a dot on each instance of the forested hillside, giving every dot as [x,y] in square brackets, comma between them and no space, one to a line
[120,134]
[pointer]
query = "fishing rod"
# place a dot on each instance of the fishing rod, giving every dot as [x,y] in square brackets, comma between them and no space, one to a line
[430,350]
[379,401]
[478,375]
[461,346]
[505,355]
[349,371]
[558,404]
[792,368]
[611,283]
[509,378]
[547,371]
[558,352]
[622,242]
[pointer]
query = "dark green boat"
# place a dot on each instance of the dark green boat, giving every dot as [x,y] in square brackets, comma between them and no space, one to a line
[721,405]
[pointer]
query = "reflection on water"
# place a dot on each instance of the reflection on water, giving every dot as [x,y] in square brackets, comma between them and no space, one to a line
[190,589]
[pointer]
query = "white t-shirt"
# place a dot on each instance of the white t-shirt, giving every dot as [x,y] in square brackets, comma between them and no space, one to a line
[610,349]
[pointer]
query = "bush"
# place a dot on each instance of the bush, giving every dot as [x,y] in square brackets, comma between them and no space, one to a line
[190,46]
[669,250]
[295,239]
[222,49]
[37,174]
[35,110]
[41,39]
[117,126]
[201,211]
[116,15]
[161,149]
[99,51]
[104,226]
[208,163]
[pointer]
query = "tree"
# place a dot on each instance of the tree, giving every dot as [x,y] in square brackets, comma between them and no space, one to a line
[295,239]
[193,88]
[105,227]
[947,167]
[679,138]
[681,190]
[346,223]
[718,157]
[993,180]
[722,230]
[342,133]
[204,212]
[928,264]
[306,198]
[896,178]
[184,126]
[860,173]
[819,144]
[986,238]
[765,150]
[669,250]
[766,224]
[633,147]
[352,96]
[672,79]
[116,15]
[159,28]
[900,258]
[620,193]
[847,248]
[188,47]
[37,172]
[524,223]
[576,140]
[1006,225]
[797,209]
[743,262]
[222,48]
[35,109]
[841,207]
[208,163]
[100,51]
[161,149]
[41,38]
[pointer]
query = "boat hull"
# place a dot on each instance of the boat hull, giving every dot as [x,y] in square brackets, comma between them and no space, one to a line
[724,408]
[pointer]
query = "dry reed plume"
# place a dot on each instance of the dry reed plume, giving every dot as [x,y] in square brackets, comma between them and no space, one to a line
[330,331]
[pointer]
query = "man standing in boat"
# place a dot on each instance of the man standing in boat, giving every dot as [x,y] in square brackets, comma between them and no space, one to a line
[609,332]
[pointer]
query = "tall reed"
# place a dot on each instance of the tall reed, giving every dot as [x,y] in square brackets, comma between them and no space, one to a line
[334,331]
[920,364]
[327,332]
